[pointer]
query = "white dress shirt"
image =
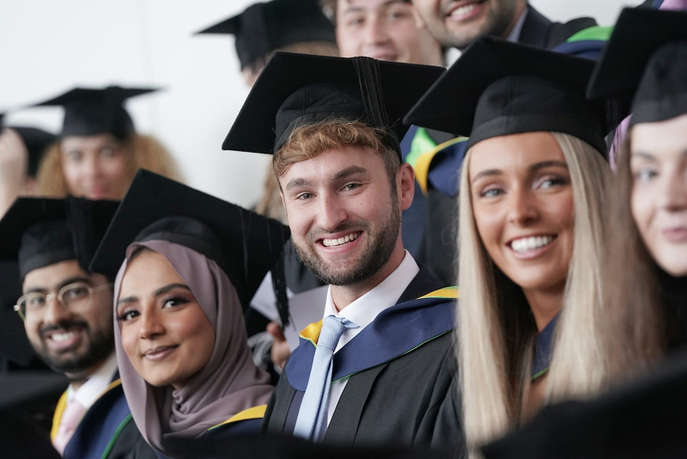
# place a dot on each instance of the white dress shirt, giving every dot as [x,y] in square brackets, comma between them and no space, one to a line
[96,384]
[364,310]
[514,35]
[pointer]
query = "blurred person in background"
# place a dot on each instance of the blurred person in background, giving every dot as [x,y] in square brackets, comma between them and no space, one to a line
[98,150]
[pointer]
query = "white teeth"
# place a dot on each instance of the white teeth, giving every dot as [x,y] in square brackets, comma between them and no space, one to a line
[531,243]
[62,336]
[463,10]
[342,240]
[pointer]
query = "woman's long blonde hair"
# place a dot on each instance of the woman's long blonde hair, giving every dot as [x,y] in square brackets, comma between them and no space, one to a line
[496,329]
[148,153]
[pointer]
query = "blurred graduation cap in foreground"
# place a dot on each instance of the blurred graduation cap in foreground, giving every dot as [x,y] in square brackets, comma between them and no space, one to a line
[244,244]
[297,89]
[646,60]
[500,88]
[92,111]
[266,27]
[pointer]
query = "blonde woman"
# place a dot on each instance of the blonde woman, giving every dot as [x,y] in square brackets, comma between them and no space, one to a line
[531,239]
[98,151]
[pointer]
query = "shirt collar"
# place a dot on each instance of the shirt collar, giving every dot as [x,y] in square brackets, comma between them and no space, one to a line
[96,384]
[366,308]
[517,30]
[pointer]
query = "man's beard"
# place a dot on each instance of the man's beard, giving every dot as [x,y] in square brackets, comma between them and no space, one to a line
[499,17]
[379,248]
[100,346]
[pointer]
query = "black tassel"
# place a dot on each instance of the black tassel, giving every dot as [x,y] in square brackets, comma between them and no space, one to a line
[279,288]
[370,82]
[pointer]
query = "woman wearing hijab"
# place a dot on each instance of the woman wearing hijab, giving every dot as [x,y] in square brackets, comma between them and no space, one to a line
[647,267]
[190,262]
[531,238]
[98,150]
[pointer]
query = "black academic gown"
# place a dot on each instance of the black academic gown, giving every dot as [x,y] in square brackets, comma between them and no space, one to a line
[643,419]
[402,385]
[107,430]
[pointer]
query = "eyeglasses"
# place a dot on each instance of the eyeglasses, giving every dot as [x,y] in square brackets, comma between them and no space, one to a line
[76,297]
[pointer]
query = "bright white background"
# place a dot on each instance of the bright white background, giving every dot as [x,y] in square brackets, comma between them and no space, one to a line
[49,46]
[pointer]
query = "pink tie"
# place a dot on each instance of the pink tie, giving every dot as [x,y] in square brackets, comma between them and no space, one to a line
[70,420]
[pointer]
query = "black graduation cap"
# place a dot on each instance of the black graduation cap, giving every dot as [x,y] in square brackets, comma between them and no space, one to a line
[299,89]
[499,88]
[36,141]
[39,231]
[266,27]
[244,244]
[90,111]
[646,58]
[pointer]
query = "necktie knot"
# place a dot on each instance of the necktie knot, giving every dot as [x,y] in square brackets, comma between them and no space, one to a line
[332,329]
[312,416]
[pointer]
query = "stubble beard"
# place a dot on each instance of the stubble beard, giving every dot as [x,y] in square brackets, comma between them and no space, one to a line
[377,253]
[499,18]
[100,345]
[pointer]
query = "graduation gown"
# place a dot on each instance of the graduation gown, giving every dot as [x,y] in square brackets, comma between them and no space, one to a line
[645,418]
[402,384]
[107,430]
[215,441]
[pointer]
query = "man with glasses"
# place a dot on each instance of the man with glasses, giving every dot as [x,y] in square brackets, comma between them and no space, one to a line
[67,314]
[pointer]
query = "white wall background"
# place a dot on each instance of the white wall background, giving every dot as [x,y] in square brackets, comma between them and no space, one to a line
[50,46]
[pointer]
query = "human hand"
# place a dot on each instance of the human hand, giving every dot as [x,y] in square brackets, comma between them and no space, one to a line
[14,159]
[280,348]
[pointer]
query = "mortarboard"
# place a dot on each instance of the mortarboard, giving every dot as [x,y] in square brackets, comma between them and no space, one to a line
[38,232]
[645,58]
[298,89]
[244,244]
[266,27]
[36,141]
[499,88]
[96,111]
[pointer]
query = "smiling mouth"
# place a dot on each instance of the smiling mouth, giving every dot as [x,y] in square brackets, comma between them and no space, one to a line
[64,339]
[159,353]
[342,240]
[464,11]
[527,244]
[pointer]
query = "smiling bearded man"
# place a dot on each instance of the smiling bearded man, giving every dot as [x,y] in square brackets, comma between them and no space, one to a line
[67,314]
[377,369]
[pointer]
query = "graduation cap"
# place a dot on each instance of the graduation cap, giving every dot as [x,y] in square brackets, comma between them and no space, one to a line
[244,244]
[500,88]
[299,89]
[36,141]
[646,58]
[38,232]
[96,111]
[266,27]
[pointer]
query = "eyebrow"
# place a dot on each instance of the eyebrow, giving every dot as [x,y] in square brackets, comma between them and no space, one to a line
[62,284]
[298,183]
[649,156]
[301,182]
[158,292]
[533,167]
[348,172]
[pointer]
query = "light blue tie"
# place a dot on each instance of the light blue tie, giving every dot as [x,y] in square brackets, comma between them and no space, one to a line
[312,416]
